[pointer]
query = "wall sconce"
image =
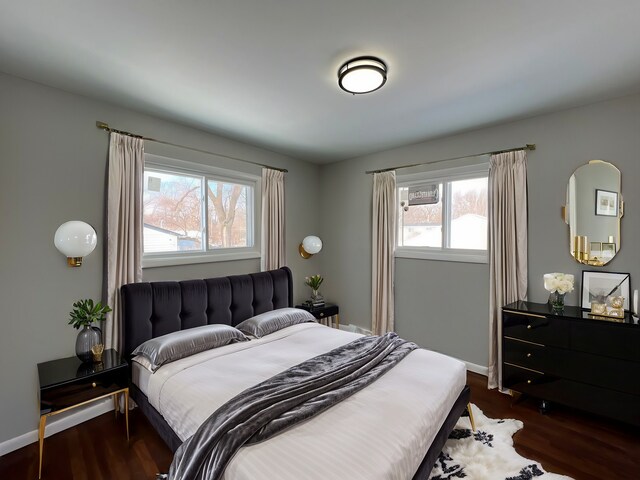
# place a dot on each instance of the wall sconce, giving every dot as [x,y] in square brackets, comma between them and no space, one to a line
[75,240]
[310,246]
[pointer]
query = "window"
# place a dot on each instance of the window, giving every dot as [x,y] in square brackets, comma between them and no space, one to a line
[443,214]
[194,213]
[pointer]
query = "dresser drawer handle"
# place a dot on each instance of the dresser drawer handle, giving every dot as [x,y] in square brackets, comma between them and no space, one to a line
[529,327]
[529,381]
[322,314]
[94,385]
[528,355]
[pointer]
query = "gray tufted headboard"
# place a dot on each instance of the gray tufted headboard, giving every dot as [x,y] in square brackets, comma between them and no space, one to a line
[157,308]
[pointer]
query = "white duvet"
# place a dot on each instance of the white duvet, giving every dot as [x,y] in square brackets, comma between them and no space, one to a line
[381,432]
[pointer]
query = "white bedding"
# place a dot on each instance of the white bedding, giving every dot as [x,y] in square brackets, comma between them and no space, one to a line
[381,432]
[140,376]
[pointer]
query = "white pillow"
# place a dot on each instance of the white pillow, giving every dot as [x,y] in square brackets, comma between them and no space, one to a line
[274,320]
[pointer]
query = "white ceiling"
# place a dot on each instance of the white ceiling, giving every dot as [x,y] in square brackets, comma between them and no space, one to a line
[264,71]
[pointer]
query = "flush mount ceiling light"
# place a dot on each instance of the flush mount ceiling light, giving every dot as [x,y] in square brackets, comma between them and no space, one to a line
[362,75]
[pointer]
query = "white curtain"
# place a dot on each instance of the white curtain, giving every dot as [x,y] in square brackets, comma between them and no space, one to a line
[383,244]
[507,246]
[273,251]
[124,226]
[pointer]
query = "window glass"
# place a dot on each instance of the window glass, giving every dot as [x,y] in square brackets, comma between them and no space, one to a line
[469,214]
[227,210]
[172,207]
[419,225]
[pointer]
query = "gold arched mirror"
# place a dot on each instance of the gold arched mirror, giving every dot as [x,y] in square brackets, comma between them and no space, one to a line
[593,212]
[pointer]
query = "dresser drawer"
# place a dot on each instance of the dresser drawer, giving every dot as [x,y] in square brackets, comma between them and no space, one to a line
[608,339]
[536,328]
[86,388]
[522,379]
[529,355]
[618,405]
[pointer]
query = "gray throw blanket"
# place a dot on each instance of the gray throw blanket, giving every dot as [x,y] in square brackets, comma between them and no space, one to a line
[284,400]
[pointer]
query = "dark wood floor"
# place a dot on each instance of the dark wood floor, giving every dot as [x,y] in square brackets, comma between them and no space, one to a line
[564,441]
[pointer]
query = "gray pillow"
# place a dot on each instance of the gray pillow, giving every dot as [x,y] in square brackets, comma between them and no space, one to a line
[181,344]
[274,320]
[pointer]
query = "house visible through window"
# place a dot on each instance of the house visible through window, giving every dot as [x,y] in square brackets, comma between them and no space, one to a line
[190,214]
[443,214]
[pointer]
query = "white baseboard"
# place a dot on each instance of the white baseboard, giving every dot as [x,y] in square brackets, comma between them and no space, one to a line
[479,369]
[59,423]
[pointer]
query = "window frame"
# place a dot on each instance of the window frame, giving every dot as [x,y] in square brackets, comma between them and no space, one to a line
[479,169]
[160,164]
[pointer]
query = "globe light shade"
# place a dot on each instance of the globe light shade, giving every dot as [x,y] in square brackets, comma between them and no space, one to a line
[310,246]
[75,240]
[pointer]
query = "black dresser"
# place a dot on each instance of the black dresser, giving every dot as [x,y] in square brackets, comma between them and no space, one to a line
[573,359]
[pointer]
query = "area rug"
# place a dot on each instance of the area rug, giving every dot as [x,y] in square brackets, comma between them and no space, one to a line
[487,453]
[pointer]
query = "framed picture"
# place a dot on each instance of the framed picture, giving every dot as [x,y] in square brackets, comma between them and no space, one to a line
[595,249]
[597,286]
[606,203]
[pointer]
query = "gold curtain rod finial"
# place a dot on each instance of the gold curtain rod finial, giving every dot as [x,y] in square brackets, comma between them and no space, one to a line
[531,146]
[102,125]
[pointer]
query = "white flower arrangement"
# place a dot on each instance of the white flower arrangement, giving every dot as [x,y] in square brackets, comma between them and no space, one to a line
[558,282]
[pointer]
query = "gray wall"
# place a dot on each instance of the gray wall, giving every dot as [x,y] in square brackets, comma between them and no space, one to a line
[442,305]
[52,169]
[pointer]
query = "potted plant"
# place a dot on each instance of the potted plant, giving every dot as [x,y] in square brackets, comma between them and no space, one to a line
[84,314]
[314,283]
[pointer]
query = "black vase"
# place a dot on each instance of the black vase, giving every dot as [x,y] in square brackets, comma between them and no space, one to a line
[87,338]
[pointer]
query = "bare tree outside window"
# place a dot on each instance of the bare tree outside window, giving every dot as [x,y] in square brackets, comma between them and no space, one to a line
[227,214]
[172,209]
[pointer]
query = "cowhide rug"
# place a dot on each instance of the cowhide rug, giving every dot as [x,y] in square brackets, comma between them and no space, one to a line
[487,453]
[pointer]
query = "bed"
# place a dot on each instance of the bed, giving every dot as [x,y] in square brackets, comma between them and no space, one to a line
[394,428]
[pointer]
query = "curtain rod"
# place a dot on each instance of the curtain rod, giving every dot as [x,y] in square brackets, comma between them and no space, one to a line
[528,146]
[105,126]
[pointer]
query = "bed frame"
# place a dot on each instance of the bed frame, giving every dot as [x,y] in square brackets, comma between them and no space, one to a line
[158,308]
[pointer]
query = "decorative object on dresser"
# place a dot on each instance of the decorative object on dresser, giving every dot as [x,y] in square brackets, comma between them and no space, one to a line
[67,383]
[327,314]
[314,283]
[84,314]
[573,359]
[75,240]
[558,285]
[599,288]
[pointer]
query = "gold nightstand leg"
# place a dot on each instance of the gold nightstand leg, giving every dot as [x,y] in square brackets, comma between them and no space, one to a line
[126,410]
[473,423]
[116,404]
[338,321]
[43,423]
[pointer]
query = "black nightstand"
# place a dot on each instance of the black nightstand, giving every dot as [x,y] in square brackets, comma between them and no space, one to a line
[324,313]
[68,383]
